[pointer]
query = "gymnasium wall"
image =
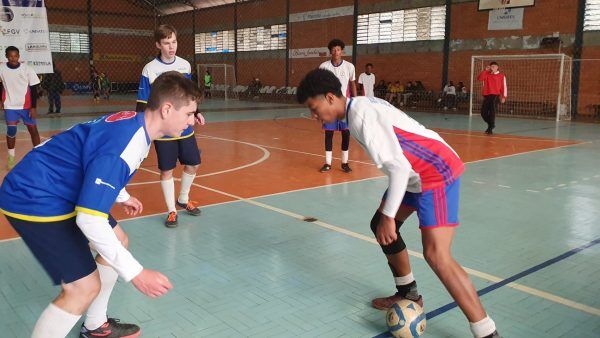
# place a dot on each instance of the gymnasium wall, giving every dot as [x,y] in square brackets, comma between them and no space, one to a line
[408,61]
[119,54]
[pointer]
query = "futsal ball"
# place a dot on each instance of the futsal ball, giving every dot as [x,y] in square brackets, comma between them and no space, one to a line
[405,319]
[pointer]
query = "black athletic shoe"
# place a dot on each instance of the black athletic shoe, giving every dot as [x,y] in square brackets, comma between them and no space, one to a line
[494,335]
[489,131]
[325,168]
[190,207]
[346,168]
[111,329]
[171,221]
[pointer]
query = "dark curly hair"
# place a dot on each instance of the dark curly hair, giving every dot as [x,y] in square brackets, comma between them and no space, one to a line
[318,82]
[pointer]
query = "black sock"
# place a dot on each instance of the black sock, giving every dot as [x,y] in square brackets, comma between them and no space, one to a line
[408,291]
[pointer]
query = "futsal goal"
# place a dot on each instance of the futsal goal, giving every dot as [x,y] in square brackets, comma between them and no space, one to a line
[223,80]
[539,86]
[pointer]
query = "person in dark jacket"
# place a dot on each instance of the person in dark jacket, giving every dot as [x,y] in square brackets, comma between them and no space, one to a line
[54,85]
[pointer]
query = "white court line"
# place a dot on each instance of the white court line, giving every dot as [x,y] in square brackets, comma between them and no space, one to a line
[473,272]
[528,152]
[266,155]
[499,137]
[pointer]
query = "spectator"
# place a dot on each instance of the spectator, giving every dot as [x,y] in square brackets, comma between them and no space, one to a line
[419,87]
[95,83]
[394,92]
[381,89]
[449,96]
[366,81]
[105,85]
[53,84]
[254,88]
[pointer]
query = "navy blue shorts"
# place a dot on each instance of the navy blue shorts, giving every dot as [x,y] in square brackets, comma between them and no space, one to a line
[60,247]
[184,149]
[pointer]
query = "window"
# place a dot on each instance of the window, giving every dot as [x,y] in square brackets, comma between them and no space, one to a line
[417,24]
[262,38]
[215,42]
[592,15]
[62,42]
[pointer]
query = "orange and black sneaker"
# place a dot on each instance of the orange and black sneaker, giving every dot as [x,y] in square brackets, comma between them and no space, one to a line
[190,207]
[112,329]
[171,221]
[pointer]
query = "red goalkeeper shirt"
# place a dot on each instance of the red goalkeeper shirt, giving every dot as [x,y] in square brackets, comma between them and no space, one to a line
[493,84]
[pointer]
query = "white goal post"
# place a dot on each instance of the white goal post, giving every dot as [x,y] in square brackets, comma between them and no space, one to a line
[539,85]
[223,79]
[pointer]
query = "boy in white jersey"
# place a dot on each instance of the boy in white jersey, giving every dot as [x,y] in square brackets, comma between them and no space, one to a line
[346,74]
[59,196]
[424,176]
[170,149]
[366,81]
[19,100]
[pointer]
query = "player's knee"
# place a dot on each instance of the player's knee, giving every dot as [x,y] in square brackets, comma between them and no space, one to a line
[124,239]
[11,131]
[191,169]
[166,175]
[395,247]
[375,221]
[436,258]
[84,290]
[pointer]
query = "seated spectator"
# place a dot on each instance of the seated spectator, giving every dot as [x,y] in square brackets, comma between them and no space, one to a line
[461,91]
[394,91]
[254,87]
[381,90]
[419,86]
[449,96]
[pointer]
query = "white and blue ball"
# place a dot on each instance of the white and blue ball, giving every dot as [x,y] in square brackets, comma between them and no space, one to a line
[405,319]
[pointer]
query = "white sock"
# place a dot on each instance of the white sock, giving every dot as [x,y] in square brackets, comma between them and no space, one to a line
[186,184]
[328,157]
[404,280]
[344,156]
[96,313]
[482,328]
[168,188]
[11,152]
[54,322]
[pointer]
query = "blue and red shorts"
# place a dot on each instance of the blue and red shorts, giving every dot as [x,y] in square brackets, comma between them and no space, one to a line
[13,116]
[335,126]
[435,208]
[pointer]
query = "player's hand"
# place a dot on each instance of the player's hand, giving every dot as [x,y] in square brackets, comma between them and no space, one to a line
[386,230]
[32,113]
[132,206]
[503,100]
[200,118]
[152,283]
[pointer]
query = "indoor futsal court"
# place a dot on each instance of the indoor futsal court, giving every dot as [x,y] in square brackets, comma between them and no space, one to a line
[284,246]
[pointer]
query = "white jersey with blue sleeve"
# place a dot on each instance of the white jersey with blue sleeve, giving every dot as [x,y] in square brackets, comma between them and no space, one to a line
[82,169]
[151,71]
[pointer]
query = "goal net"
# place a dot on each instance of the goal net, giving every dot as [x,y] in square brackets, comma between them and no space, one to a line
[223,80]
[539,86]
